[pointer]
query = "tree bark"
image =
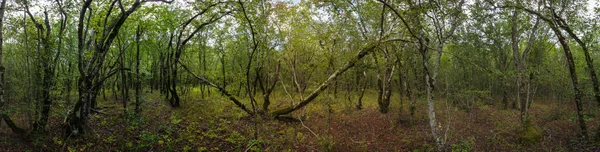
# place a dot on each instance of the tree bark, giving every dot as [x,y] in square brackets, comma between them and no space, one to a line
[362,91]
[574,80]
[520,60]
[267,91]
[124,86]
[138,82]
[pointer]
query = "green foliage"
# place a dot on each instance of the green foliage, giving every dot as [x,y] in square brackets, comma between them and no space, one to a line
[326,142]
[311,39]
[235,138]
[464,145]
[254,145]
[529,134]
[146,140]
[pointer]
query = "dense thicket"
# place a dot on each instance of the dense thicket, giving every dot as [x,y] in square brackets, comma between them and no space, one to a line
[57,57]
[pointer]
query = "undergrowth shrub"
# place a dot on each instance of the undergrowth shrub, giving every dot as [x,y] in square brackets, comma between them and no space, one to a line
[326,142]
[464,145]
[529,134]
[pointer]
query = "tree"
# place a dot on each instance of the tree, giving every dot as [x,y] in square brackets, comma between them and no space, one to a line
[417,31]
[3,112]
[520,60]
[552,21]
[91,79]
[181,44]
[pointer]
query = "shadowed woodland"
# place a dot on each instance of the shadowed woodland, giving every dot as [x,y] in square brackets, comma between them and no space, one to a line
[299,75]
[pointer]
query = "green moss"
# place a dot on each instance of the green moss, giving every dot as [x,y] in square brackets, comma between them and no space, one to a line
[529,135]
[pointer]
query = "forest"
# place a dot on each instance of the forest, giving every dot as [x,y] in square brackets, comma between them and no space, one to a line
[299,75]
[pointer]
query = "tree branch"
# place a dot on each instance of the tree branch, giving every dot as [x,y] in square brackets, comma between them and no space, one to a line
[221,89]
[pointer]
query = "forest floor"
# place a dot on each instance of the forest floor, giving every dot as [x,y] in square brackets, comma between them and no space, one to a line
[215,124]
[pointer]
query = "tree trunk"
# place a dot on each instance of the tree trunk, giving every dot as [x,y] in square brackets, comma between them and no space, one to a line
[124,87]
[138,82]
[588,59]
[362,91]
[574,80]
[91,79]
[519,64]
[267,91]
[520,60]
[47,63]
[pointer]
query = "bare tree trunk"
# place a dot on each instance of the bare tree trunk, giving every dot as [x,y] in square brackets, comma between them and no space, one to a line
[409,94]
[588,59]
[138,82]
[362,91]
[124,87]
[400,86]
[520,60]
[574,80]
[272,81]
[388,87]
[429,86]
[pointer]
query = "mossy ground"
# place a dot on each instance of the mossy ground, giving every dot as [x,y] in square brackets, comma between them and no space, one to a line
[216,124]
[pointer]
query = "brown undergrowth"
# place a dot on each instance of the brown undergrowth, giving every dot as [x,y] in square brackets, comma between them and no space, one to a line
[214,124]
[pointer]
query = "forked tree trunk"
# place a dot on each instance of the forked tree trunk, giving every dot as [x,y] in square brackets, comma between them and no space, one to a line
[90,79]
[520,60]
[552,22]
[266,92]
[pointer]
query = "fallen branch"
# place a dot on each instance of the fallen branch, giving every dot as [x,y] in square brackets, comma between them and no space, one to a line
[221,89]
[325,84]
[301,122]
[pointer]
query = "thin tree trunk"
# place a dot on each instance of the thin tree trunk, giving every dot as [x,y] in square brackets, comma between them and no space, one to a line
[267,91]
[574,80]
[362,91]
[124,87]
[138,82]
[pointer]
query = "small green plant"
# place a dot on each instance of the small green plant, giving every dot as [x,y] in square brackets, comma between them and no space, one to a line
[147,139]
[529,135]
[235,138]
[175,120]
[464,145]
[57,141]
[326,142]
[187,148]
[111,139]
[202,149]
[254,145]
[300,137]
